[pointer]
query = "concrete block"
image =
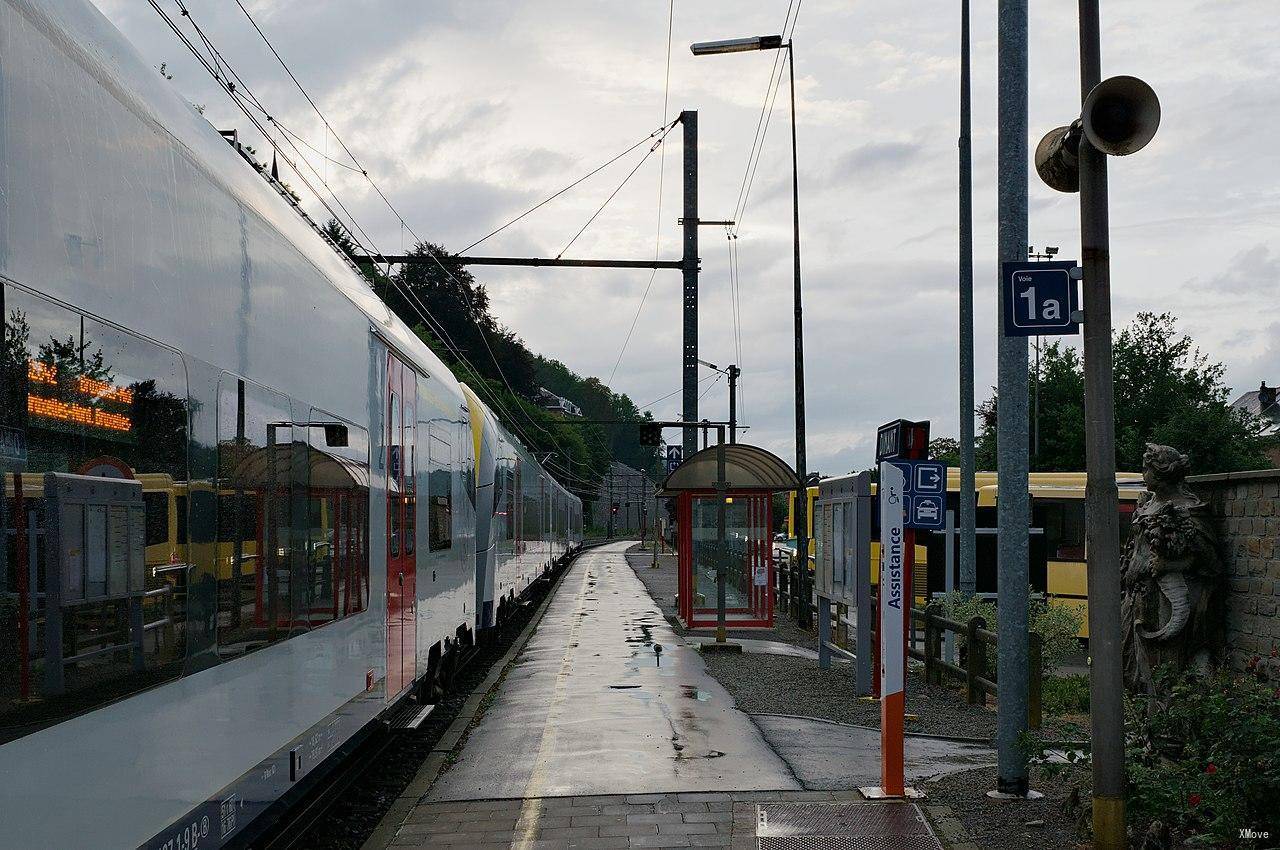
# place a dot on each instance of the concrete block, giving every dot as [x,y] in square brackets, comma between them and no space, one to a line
[629,829]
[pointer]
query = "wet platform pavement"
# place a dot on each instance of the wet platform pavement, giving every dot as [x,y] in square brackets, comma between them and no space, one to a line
[590,742]
[590,708]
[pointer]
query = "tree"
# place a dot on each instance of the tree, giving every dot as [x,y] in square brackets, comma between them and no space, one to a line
[1166,391]
[449,310]
[945,450]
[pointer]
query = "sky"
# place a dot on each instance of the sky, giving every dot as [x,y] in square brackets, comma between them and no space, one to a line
[468,112]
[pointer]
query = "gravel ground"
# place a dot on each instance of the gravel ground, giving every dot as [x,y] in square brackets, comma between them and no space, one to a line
[775,684]
[1046,824]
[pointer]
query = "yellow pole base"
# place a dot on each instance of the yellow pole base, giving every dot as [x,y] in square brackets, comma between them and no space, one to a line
[1108,823]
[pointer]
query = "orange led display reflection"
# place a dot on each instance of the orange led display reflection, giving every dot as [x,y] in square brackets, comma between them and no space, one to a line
[78,413]
[43,373]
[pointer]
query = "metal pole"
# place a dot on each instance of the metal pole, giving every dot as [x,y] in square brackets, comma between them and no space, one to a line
[1012,505]
[948,637]
[689,119]
[968,464]
[802,502]
[721,496]
[734,372]
[1102,526]
[1035,440]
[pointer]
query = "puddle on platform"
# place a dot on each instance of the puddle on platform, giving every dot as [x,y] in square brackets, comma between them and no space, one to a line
[691,692]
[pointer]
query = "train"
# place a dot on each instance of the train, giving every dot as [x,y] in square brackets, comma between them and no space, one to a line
[248,515]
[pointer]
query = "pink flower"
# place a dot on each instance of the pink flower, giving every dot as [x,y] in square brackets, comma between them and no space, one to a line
[1211,769]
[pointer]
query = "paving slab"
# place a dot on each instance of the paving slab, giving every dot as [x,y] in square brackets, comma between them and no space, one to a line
[834,756]
[587,709]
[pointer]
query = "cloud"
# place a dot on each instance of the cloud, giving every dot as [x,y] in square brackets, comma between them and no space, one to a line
[1254,272]
[879,161]
[468,112]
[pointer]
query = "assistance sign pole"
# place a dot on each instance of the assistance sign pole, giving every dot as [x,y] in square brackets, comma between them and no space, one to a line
[893,601]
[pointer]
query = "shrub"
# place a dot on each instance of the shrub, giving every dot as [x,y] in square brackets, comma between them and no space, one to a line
[1205,758]
[1065,695]
[1057,625]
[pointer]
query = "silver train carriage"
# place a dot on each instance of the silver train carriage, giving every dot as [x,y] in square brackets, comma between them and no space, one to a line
[246,511]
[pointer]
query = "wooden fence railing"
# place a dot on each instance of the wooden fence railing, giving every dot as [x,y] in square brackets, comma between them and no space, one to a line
[977,641]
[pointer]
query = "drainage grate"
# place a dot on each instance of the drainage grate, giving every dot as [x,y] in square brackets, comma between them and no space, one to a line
[843,826]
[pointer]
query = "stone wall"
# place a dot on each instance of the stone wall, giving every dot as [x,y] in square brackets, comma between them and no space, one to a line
[1247,507]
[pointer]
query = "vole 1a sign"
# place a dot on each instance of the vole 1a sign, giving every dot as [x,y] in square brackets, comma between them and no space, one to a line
[1040,299]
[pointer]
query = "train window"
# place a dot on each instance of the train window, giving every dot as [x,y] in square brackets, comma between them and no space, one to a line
[86,398]
[1063,524]
[254,525]
[180,507]
[440,495]
[336,569]
[395,491]
[157,527]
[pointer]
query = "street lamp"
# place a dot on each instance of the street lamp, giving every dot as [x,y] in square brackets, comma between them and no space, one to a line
[775,42]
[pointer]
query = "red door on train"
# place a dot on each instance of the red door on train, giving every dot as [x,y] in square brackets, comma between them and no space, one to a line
[401,525]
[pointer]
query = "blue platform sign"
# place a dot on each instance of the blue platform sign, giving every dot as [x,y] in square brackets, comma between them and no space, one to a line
[1040,299]
[924,503]
[675,456]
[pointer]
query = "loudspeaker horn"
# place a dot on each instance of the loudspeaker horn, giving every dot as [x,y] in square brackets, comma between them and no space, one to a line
[1057,158]
[1121,115]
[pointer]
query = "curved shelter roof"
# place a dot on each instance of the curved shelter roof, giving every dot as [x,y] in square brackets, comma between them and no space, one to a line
[273,466]
[746,468]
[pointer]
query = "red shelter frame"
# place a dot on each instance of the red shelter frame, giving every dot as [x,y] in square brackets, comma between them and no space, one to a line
[751,562]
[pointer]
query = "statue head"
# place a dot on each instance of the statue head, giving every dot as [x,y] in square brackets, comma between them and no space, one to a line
[1164,468]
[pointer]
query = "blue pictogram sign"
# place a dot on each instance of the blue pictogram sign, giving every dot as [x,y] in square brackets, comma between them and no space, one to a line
[1040,299]
[925,499]
[675,456]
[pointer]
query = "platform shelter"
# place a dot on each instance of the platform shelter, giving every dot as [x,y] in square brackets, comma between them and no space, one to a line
[752,476]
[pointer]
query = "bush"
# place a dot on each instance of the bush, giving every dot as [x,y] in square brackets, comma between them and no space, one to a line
[1057,625]
[1205,759]
[1065,695]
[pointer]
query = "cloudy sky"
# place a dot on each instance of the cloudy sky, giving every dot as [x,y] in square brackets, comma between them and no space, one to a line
[467,112]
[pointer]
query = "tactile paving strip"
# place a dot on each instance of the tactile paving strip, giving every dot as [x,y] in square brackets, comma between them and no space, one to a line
[843,826]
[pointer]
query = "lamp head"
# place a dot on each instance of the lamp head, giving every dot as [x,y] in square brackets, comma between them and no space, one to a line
[737,45]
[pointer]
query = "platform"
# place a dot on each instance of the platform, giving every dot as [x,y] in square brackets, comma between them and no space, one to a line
[591,741]
[589,709]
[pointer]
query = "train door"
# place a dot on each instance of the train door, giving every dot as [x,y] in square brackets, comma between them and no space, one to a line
[401,528]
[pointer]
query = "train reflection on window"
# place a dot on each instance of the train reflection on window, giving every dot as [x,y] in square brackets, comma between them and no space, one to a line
[90,399]
[292,547]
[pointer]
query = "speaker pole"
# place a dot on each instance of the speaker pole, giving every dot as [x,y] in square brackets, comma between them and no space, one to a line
[1102,528]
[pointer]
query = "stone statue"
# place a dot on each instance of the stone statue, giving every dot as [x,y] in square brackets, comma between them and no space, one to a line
[1171,576]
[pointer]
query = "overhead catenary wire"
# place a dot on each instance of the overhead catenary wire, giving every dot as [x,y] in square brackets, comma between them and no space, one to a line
[572,185]
[766,114]
[403,223]
[662,171]
[225,75]
[657,144]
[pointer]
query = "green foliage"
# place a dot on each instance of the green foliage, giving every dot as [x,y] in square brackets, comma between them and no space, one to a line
[1166,391]
[1205,759]
[500,368]
[1056,625]
[1065,694]
[945,450]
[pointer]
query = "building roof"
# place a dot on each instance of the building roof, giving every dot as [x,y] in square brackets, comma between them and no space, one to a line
[1261,404]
